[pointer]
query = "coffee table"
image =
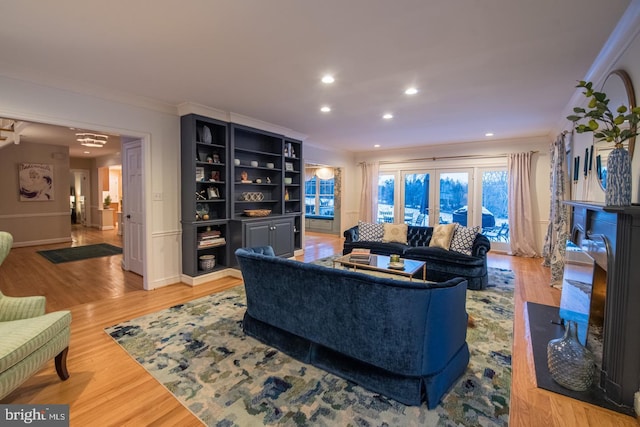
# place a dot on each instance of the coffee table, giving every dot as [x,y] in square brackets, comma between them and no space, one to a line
[381,263]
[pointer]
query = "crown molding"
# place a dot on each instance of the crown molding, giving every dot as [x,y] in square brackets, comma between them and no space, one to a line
[227,116]
[270,127]
[82,88]
[622,36]
[203,110]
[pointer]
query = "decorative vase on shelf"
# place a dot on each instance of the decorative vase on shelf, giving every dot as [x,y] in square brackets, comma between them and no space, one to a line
[618,190]
[570,363]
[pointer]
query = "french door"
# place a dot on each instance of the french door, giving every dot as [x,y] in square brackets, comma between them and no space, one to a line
[437,196]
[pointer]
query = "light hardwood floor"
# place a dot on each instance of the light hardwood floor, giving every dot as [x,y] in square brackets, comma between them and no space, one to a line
[107,387]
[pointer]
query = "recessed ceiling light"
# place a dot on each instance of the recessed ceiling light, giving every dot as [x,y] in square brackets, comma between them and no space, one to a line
[387,116]
[411,91]
[377,145]
[325,109]
[328,79]
[87,152]
[488,134]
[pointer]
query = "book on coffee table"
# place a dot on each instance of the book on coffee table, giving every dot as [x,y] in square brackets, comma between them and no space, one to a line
[360,255]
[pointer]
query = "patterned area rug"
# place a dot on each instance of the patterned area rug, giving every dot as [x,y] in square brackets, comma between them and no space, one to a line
[198,351]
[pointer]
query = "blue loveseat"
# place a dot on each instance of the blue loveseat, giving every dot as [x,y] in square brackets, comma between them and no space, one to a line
[405,340]
[442,264]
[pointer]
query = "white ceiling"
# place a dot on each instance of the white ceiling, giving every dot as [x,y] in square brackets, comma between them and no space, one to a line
[502,66]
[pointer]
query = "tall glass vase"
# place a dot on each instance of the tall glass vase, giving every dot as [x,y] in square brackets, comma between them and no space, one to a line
[618,191]
[571,364]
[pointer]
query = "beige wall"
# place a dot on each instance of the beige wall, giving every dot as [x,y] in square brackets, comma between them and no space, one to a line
[35,222]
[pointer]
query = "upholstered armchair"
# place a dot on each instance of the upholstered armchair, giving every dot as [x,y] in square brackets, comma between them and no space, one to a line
[30,338]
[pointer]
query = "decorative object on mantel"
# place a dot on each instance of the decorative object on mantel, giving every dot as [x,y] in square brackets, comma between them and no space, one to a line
[612,127]
[570,363]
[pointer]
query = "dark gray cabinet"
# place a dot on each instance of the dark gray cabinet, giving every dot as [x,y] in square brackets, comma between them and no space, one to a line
[276,232]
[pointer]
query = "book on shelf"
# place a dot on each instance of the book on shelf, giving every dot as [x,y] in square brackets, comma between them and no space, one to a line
[206,243]
[212,234]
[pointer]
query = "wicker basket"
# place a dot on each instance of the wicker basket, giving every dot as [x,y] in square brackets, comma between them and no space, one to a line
[257,212]
[207,262]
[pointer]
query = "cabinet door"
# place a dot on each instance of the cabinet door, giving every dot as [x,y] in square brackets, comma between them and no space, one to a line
[257,234]
[282,237]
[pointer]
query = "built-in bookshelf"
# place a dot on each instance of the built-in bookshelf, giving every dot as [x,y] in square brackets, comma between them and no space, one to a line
[205,210]
[241,186]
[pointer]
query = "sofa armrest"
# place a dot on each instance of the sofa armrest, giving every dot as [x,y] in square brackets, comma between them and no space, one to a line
[16,308]
[262,250]
[351,235]
[481,246]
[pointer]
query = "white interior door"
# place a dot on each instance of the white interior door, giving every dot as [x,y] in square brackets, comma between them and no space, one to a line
[133,207]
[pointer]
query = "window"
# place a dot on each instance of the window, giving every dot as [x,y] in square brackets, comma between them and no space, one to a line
[318,197]
[386,192]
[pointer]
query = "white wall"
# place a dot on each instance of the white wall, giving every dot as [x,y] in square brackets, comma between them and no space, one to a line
[158,127]
[588,189]
[628,60]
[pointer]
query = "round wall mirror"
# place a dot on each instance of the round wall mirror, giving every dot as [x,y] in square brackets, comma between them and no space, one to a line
[619,90]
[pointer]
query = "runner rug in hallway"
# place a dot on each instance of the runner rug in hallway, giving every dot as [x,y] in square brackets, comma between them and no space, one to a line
[198,351]
[78,253]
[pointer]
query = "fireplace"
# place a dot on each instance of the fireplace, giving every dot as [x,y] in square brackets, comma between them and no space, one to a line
[601,288]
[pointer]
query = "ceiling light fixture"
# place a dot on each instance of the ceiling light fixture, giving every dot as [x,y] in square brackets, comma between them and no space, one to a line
[92,139]
[387,116]
[411,91]
[376,145]
[488,134]
[325,109]
[328,79]
[325,173]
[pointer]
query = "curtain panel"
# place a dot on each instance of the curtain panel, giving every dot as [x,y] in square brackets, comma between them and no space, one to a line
[369,195]
[558,230]
[521,230]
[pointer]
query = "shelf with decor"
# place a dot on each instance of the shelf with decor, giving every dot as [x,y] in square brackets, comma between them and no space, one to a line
[204,203]
[256,173]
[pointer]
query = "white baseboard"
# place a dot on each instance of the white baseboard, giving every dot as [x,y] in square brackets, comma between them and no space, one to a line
[41,242]
[107,227]
[195,281]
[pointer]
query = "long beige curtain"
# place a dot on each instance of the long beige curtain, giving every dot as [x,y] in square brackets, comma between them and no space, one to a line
[369,195]
[521,230]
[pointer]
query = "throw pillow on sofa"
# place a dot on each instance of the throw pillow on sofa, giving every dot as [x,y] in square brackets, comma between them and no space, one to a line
[463,238]
[442,235]
[368,232]
[395,233]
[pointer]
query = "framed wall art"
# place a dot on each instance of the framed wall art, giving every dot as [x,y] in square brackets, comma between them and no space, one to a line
[36,182]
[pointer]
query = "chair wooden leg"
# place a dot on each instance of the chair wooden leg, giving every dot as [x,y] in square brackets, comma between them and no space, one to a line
[61,364]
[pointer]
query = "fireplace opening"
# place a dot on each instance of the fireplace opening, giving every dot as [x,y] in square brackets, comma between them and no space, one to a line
[584,288]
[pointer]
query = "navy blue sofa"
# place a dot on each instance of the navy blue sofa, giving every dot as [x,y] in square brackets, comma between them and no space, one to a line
[442,264]
[405,340]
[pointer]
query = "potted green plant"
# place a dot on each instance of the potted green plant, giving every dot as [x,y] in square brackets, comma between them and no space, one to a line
[612,127]
[107,201]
